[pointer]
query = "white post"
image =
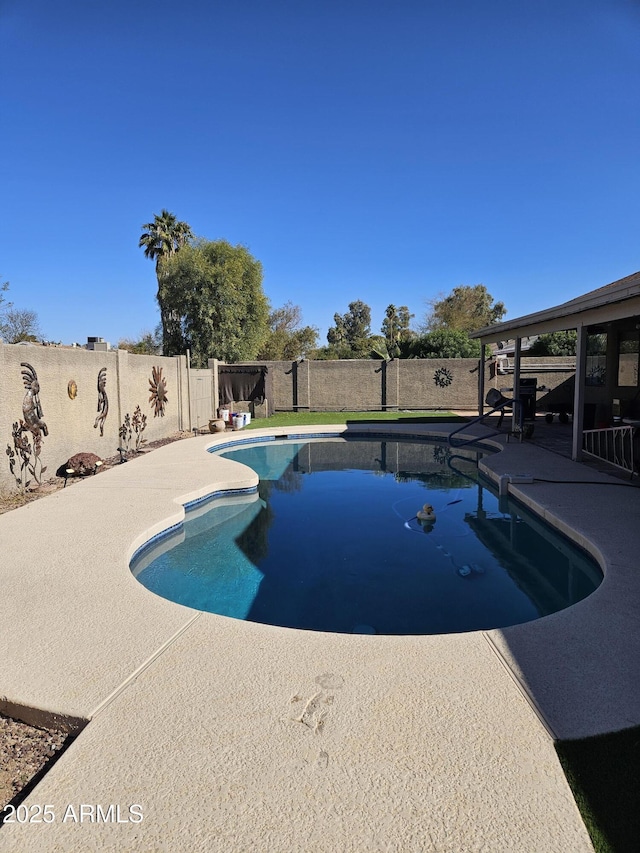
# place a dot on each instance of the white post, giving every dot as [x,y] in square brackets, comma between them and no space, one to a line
[121,357]
[213,367]
[481,379]
[189,389]
[578,393]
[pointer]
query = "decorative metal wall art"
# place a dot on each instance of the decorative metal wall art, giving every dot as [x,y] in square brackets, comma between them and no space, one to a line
[441,454]
[72,390]
[443,377]
[103,400]
[23,449]
[31,408]
[158,388]
[139,423]
[132,426]
[125,433]
[29,456]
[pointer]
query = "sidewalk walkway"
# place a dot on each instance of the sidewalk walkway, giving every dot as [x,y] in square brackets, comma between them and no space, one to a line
[232,735]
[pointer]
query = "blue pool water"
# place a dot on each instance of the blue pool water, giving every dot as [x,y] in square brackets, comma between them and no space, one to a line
[330,542]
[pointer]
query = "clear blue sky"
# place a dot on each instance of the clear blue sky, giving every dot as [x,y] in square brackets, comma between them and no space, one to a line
[383,151]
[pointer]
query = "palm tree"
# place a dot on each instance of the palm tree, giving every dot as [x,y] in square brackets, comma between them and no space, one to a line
[160,239]
[395,327]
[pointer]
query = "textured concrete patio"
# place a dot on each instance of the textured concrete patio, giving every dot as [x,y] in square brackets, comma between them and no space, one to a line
[232,735]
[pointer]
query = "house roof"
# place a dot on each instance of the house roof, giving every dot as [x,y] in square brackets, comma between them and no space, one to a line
[613,301]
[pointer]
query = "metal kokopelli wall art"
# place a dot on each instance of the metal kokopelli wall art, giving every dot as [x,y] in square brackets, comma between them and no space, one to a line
[31,408]
[103,400]
[23,453]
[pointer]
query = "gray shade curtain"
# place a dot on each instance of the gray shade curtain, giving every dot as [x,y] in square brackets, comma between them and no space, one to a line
[242,383]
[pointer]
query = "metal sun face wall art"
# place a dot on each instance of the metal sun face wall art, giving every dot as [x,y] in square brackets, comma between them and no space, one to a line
[158,388]
[443,377]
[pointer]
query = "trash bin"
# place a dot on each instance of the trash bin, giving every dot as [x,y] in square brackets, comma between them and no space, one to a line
[527,397]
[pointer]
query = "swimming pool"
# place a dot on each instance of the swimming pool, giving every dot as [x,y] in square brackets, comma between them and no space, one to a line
[330,541]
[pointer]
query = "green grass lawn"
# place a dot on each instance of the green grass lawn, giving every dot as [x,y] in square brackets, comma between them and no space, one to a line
[604,775]
[281,419]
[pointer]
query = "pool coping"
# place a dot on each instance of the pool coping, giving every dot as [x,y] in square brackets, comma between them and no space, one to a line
[237,441]
[583,524]
[95,640]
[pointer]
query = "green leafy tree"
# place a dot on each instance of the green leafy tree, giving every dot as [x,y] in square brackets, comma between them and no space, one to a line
[288,339]
[442,343]
[148,343]
[395,327]
[332,352]
[213,292]
[555,343]
[465,309]
[351,332]
[161,240]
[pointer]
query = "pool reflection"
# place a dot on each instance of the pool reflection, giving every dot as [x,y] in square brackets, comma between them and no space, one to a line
[333,544]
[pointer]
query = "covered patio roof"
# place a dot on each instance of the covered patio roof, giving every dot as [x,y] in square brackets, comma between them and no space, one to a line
[619,300]
[614,301]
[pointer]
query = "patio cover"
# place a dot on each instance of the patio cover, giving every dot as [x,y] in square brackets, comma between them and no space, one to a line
[616,301]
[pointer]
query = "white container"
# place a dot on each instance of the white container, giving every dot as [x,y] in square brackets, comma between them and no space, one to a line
[238,421]
[247,418]
[225,414]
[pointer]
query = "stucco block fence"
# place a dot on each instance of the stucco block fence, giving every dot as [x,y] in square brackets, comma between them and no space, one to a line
[69,403]
[420,384]
[59,388]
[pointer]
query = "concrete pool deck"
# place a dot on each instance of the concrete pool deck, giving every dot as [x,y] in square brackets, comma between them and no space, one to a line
[233,735]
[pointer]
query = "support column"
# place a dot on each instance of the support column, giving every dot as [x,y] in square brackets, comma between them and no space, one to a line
[215,386]
[294,386]
[390,385]
[516,417]
[578,393]
[122,372]
[481,379]
[300,382]
[181,381]
[190,413]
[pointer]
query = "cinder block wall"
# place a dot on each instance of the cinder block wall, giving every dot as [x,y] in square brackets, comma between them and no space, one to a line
[70,422]
[450,383]
[556,374]
[285,376]
[365,385]
[369,385]
[391,456]
[135,375]
[336,385]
